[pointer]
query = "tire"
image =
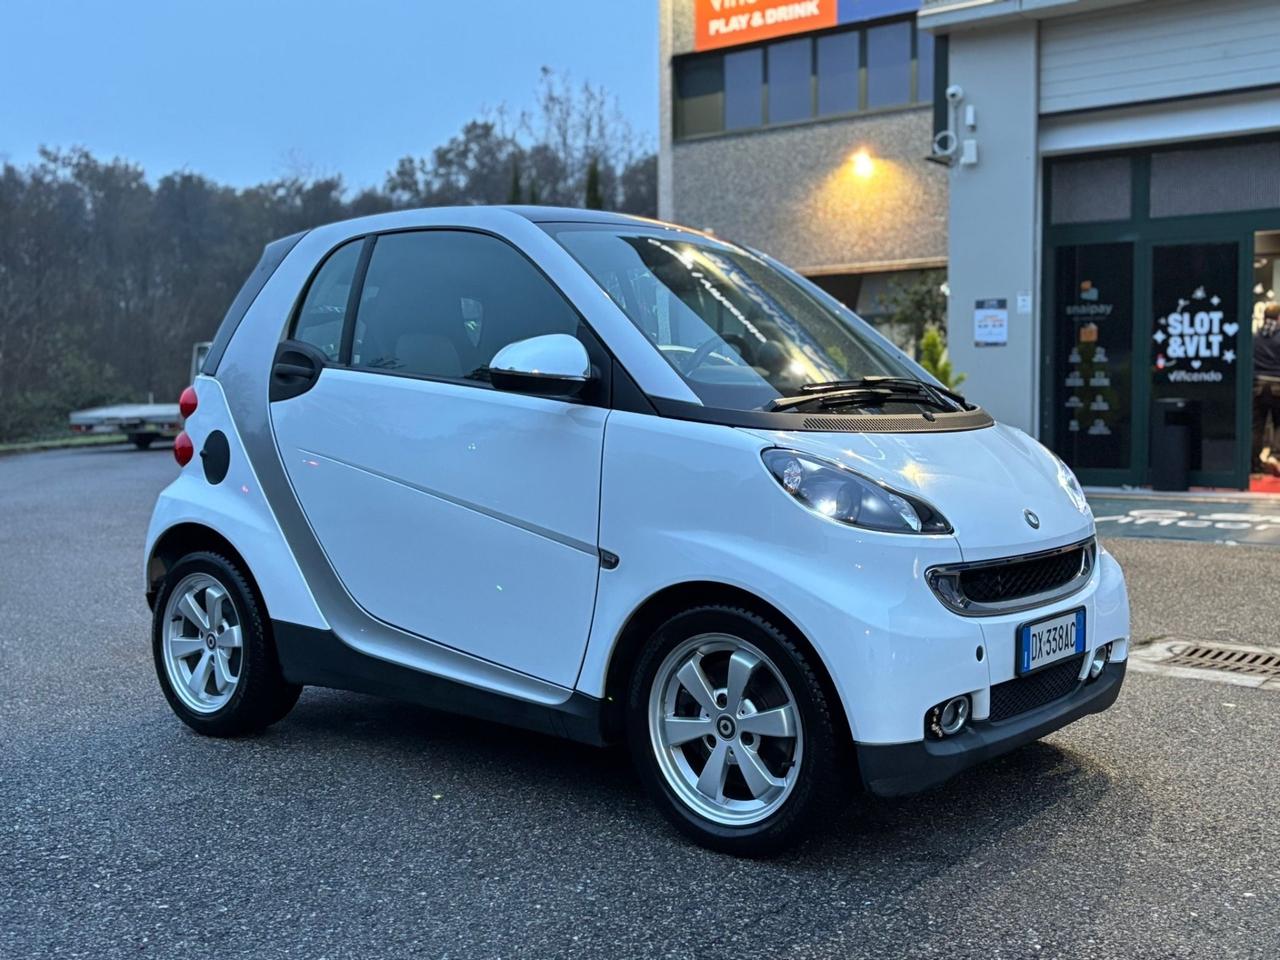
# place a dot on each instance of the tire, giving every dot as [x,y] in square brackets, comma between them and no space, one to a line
[805,777]
[225,681]
[142,441]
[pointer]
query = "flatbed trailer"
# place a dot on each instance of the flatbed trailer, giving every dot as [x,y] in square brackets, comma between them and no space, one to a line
[142,423]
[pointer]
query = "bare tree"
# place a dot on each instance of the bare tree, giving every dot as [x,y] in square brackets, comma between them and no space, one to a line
[550,151]
[107,277]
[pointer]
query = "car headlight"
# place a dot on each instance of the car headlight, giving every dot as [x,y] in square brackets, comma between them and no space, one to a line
[1069,483]
[838,493]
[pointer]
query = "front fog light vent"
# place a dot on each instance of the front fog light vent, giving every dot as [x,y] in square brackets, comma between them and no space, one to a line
[948,718]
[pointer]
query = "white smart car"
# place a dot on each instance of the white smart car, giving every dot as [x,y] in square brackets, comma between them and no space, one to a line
[615,480]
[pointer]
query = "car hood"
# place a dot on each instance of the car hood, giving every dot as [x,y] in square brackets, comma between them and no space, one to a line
[983,481]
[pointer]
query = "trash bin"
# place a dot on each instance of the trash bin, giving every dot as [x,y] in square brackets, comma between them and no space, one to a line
[1174,421]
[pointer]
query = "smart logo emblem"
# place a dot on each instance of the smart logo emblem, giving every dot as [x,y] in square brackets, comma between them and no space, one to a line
[1032,520]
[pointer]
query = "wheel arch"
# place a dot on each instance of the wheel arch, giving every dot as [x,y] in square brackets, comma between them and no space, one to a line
[184,538]
[672,599]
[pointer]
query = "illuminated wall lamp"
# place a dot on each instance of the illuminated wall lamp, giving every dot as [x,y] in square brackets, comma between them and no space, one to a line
[863,165]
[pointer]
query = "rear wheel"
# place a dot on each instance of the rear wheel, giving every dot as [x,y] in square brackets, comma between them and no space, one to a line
[142,441]
[214,655]
[731,732]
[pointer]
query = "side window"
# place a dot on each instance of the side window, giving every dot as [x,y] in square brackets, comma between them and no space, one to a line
[319,322]
[889,65]
[441,303]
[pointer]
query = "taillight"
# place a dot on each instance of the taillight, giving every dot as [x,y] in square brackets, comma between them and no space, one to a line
[183,449]
[188,402]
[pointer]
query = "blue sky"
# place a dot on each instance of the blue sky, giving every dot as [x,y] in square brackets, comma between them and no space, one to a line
[245,91]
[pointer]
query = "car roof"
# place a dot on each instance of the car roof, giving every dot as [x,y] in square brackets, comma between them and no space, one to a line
[538,214]
[413,217]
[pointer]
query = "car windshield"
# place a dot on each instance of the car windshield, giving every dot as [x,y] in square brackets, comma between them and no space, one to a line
[741,332]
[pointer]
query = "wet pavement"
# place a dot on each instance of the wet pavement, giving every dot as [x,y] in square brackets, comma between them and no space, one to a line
[361,828]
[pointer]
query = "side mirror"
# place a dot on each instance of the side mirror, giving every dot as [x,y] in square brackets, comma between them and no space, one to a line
[552,365]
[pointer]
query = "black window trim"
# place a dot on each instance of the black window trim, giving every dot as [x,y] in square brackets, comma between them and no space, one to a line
[916,101]
[295,312]
[604,364]
[353,299]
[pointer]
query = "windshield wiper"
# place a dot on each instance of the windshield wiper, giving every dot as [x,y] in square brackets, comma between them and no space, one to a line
[907,383]
[862,397]
[865,391]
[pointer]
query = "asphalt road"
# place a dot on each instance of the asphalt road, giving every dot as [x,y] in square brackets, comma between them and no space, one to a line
[362,828]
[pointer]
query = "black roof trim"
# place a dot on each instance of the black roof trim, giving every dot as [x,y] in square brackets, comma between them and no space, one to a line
[538,214]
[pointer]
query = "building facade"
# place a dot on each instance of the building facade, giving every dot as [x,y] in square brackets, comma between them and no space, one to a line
[803,129]
[1114,220]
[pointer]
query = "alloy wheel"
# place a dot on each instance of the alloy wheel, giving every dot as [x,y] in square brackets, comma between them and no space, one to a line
[725,728]
[203,643]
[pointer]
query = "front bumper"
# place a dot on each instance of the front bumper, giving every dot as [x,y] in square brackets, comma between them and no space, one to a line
[893,770]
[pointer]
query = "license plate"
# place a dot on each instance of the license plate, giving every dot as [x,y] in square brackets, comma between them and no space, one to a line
[1049,640]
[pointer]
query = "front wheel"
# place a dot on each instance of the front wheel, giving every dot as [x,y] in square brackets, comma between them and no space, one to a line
[731,732]
[213,650]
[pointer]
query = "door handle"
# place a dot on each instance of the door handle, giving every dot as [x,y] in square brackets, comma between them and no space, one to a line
[284,368]
[295,370]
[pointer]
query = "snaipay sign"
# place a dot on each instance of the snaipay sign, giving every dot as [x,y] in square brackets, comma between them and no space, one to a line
[724,23]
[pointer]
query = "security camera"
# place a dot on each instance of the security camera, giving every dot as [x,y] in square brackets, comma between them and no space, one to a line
[955,93]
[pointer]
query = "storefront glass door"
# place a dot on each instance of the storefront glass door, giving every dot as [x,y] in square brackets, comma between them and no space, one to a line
[1196,333]
[1137,322]
[1154,259]
[1093,334]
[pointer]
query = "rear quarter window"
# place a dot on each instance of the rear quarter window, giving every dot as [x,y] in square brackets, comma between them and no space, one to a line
[323,312]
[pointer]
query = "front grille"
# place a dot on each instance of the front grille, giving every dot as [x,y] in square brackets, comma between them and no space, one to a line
[1021,578]
[1021,694]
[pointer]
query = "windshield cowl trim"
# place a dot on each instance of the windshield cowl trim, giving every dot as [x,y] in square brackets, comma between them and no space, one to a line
[827,421]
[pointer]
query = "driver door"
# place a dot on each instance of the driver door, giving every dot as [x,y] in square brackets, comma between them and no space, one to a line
[462,514]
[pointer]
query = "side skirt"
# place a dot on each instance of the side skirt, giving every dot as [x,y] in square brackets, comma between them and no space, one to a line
[319,658]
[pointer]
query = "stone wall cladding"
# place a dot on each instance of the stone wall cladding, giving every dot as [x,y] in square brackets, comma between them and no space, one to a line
[682,27]
[792,192]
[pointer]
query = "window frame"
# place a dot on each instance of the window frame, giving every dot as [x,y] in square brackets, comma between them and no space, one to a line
[599,393]
[679,112]
[917,94]
[812,44]
[1148,232]
[357,282]
[859,43]
[762,100]
[912,67]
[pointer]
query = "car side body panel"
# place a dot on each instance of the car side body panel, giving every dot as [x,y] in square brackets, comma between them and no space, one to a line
[244,375]
[236,508]
[459,513]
